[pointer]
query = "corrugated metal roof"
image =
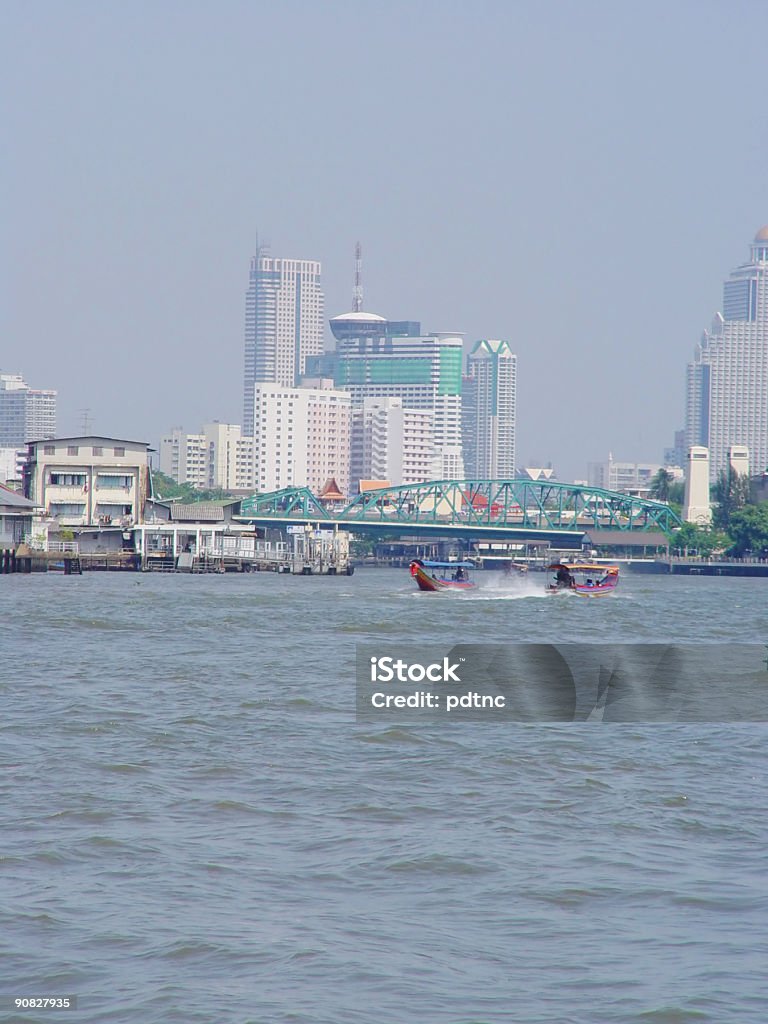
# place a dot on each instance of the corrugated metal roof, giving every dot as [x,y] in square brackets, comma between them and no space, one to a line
[14,499]
[200,512]
[88,437]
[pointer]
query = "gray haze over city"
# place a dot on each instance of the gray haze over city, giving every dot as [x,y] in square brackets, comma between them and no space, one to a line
[578,179]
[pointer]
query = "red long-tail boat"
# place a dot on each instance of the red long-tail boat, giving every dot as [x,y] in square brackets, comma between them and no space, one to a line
[433,576]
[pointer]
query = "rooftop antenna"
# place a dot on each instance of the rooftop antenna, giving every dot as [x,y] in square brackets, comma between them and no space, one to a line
[262,247]
[86,422]
[357,292]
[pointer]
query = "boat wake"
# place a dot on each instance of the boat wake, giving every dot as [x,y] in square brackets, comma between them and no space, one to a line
[505,589]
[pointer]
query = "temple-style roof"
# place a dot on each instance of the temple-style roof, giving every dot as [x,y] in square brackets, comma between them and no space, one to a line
[330,491]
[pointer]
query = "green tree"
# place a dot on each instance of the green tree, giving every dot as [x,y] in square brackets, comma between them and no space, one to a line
[660,485]
[691,539]
[730,493]
[749,531]
[165,488]
[676,495]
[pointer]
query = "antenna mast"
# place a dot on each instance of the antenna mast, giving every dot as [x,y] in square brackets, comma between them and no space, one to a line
[357,293]
[262,248]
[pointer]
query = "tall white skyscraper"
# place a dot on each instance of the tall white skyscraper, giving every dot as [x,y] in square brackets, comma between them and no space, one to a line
[489,411]
[26,414]
[727,383]
[283,324]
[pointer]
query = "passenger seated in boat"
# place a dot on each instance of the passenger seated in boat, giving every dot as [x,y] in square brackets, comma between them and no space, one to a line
[459,574]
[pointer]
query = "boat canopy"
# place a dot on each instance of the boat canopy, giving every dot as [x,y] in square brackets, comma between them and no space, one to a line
[445,565]
[586,567]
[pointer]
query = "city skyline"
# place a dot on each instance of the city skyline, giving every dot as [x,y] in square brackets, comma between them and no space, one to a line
[726,391]
[556,194]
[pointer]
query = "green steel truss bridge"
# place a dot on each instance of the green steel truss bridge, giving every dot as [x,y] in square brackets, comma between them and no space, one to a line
[475,509]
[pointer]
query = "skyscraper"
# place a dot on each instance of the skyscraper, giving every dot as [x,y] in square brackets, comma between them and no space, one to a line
[283,324]
[423,371]
[489,410]
[727,381]
[25,414]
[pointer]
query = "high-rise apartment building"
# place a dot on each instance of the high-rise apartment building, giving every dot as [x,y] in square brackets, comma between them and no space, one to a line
[390,442]
[423,371]
[25,414]
[301,437]
[727,382]
[283,324]
[217,458]
[489,410]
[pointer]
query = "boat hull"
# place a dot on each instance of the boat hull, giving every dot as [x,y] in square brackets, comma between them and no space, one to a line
[432,584]
[586,589]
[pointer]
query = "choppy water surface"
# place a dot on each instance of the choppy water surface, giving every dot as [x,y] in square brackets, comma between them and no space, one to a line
[196,829]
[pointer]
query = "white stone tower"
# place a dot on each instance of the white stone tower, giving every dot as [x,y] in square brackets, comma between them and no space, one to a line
[697,508]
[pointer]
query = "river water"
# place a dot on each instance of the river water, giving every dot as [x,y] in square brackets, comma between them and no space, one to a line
[197,829]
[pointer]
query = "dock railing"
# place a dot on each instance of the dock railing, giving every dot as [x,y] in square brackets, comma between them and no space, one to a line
[39,542]
[64,547]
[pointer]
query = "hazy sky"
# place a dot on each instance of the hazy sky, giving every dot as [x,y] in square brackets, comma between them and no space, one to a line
[577,178]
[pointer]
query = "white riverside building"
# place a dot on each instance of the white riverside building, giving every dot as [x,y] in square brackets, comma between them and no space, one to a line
[284,324]
[390,442]
[489,411]
[301,437]
[727,381]
[12,463]
[218,457]
[88,481]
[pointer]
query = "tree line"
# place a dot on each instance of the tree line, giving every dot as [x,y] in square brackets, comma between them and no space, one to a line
[739,521]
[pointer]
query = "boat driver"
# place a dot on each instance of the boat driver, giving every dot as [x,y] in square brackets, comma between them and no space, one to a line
[563,577]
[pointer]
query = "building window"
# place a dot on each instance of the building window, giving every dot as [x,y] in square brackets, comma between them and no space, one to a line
[113,480]
[73,450]
[49,449]
[66,509]
[97,450]
[68,479]
[119,453]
